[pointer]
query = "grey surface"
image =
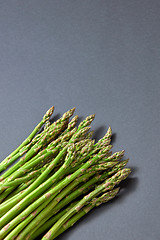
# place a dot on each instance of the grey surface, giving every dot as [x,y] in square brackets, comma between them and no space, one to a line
[102,57]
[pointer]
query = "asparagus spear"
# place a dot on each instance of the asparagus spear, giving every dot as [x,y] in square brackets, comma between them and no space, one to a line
[65,116]
[48,224]
[107,185]
[94,203]
[38,191]
[88,207]
[56,205]
[51,150]
[27,200]
[59,126]
[43,210]
[78,192]
[12,192]
[73,153]
[9,160]
[86,186]
[18,181]
[52,208]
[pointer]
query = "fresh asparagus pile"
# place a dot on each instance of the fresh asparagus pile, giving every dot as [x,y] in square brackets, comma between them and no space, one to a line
[61,174]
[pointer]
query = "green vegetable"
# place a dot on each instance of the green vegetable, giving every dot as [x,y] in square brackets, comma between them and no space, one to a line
[61,175]
[10,159]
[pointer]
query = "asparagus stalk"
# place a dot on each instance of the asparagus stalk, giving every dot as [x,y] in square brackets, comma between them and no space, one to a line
[86,186]
[37,192]
[9,160]
[18,181]
[12,192]
[94,203]
[53,208]
[51,150]
[56,205]
[60,149]
[65,117]
[107,185]
[102,143]
[86,122]
[71,125]
[40,214]
[48,224]
[4,195]
[59,126]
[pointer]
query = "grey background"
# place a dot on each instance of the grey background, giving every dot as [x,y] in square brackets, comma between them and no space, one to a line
[102,57]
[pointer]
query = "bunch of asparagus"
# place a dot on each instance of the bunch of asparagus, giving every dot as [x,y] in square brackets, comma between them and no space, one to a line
[61,174]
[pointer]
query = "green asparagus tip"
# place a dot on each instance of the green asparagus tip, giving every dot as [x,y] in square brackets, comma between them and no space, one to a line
[109,132]
[75,118]
[125,173]
[124,162]
[68,114]
[109,195]
[49,113]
